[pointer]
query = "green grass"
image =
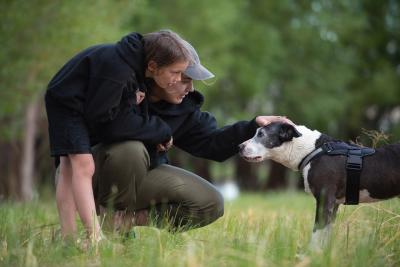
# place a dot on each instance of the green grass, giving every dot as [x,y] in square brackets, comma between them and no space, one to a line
[256,230]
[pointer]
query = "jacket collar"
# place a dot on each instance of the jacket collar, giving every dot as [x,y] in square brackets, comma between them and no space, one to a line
[130,49]
[194,100]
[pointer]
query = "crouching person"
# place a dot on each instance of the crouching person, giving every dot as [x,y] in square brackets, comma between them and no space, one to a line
[133,179]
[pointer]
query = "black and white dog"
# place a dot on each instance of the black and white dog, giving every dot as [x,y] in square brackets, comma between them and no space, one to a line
[325,176]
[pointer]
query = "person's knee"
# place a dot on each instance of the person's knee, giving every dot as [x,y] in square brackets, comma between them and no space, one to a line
[210,209]
[120,169]
[216,204]
[82,165]
[210,206]
[128,152]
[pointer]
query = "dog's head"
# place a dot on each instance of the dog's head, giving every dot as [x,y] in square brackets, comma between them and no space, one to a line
[266,140]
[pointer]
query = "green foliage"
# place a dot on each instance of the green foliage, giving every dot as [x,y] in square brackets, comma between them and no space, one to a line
[322,63]
[38,37]
[256,230]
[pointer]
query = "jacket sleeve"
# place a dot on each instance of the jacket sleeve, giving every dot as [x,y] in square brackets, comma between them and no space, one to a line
[103,99]
[204,139]
[129,124]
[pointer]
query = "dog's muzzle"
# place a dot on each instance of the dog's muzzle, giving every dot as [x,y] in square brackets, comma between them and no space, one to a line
[246,152]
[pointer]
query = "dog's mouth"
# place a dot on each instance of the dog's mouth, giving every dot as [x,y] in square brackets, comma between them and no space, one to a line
[253,159]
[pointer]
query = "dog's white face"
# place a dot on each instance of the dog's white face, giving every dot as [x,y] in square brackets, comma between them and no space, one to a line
[253,150]
[281,142]
[266,141]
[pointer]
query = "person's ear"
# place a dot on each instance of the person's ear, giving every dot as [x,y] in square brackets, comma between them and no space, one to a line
[152,66]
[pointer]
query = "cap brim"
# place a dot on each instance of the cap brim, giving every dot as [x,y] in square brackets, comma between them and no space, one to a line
[198,72]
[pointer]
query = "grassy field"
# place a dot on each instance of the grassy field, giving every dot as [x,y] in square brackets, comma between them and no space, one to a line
[256,230]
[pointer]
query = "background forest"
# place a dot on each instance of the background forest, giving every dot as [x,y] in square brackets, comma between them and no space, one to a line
[330,65]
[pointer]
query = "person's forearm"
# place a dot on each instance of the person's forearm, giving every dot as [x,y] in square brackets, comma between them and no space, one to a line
[217,144]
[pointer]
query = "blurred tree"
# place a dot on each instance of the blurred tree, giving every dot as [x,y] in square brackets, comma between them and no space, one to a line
[376,87]
[37,38]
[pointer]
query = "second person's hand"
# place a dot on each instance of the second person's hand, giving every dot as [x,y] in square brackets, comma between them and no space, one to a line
[165,146]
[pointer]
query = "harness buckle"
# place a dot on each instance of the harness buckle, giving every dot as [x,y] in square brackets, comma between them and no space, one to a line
[354,160]
[327,147]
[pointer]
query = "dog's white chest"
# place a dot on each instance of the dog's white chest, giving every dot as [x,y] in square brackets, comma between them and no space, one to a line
[307,188]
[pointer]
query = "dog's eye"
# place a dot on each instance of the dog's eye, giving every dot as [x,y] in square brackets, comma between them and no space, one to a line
[260,134]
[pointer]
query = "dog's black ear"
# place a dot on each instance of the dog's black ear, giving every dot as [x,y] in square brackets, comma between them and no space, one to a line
[288,132]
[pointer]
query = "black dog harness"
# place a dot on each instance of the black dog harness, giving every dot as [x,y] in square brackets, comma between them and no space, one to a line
[354,161]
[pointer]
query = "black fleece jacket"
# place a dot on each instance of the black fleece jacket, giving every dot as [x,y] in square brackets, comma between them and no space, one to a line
[197,133]
[100,83]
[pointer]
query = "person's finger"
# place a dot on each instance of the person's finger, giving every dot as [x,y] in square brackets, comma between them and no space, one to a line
[160,148]
[265,120]
[170,143]
[167,147]
[286,120]
[139,97]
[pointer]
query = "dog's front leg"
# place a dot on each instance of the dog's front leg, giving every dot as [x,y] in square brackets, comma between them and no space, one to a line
[325,214]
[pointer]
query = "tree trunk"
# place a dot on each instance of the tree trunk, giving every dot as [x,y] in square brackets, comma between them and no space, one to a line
[28,152]
[245,175]
[5,186]
[277,177]
[9,159]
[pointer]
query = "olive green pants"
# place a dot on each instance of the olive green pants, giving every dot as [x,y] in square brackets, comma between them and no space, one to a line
[123,181]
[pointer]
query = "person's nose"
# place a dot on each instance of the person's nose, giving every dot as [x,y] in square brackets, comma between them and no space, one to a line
[178,77]
[190,87]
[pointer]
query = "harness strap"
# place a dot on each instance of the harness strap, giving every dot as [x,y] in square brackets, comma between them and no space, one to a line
[354,161]
[309,157]
[353,167]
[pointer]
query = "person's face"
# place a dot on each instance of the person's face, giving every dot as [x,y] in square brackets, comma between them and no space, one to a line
[175,93]
[167,76]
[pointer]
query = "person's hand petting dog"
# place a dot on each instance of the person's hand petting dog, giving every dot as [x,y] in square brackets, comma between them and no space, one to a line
[165,146]
[265,120]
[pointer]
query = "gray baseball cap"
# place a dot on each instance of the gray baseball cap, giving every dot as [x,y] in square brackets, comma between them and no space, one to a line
[195,70]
